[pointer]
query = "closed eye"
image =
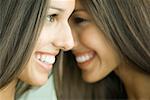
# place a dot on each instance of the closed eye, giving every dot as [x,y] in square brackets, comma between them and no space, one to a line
[79,20]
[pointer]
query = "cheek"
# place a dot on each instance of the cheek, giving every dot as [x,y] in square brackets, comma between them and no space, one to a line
[41,41]
[28,72]
[95,40]
[92,39]
[33,74]
[45,38]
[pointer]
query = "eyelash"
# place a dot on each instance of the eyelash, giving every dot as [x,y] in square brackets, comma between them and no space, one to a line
[51,18]
[80,20]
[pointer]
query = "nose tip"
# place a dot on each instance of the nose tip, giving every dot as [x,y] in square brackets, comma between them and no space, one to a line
[64,45]
[76,40]
[76,45]
[68,45]
[64,40]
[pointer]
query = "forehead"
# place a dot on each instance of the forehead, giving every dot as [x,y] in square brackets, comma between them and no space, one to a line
[62,4]
[78,4]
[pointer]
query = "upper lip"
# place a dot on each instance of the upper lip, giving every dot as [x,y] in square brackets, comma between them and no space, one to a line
[77,53]
[48,53]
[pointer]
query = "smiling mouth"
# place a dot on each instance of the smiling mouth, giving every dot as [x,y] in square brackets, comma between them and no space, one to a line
[45,58]
[84,57]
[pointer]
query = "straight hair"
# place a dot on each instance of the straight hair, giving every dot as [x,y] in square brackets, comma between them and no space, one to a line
[126,23]
[20,27]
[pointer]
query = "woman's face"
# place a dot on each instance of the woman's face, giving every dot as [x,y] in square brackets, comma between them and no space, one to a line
[94,53]
[55,35]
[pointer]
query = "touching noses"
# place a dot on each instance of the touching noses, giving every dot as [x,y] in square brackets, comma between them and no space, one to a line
[64,40]
[76,39]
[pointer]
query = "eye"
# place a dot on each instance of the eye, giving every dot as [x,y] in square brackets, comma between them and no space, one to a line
[80,20]
[51,18]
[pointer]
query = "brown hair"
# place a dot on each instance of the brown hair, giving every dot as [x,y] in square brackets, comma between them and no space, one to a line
[127,24]
[70,86]
[19,30]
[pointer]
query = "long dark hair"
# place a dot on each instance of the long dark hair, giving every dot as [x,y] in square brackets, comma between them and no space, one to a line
[72,87]
[19,30]
[127,24]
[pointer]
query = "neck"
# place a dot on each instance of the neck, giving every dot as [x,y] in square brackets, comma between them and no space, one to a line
[137,84]
[8,93]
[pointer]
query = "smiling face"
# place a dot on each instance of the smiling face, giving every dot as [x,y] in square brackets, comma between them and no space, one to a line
[94,53]
[55,34]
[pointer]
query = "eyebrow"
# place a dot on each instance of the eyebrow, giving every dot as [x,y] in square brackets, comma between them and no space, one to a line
[79,10]
[52,7]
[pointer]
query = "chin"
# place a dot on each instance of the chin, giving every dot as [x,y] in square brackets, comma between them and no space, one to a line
[91,78]
[37,79]
[39,82]
[88,78]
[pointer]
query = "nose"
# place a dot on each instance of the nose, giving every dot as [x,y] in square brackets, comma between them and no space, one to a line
[64,40]
[76,40]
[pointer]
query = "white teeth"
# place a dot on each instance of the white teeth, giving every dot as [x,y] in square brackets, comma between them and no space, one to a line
[43,58]
[48,59]
[84,58]
[38,56]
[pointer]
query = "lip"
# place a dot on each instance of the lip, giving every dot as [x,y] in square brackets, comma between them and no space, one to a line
[84,65]
[46,67]
[46,52]
[82,53]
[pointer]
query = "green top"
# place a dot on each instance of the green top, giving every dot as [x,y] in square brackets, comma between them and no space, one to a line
[45,92]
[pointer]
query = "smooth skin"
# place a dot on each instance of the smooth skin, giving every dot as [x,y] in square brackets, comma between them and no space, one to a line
[55,35]
[97,57]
